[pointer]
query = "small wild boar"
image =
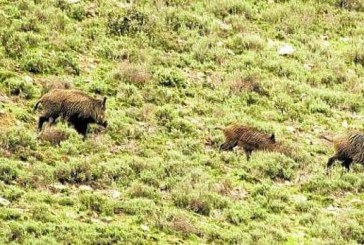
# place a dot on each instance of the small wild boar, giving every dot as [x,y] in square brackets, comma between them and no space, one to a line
[349,147]
[248,138]
[76,107]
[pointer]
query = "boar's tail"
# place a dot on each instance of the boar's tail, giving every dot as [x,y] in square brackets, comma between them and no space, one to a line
[36,106]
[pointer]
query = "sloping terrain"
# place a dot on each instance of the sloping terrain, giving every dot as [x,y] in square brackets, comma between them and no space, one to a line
[173,71]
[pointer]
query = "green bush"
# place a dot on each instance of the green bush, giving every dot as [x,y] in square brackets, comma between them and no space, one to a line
[275,166]
[19,138]
[131,21]
[37,63]
[96,203]
[8,173]
[171,78]
[18,86]
[14,43]
[68,63]
[77,173]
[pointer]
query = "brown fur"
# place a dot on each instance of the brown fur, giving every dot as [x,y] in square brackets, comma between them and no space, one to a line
[348,147]
[78,108]
[249,139]
[53,136]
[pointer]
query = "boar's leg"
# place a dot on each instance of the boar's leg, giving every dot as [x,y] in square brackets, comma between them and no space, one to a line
[79,124]
[52,120]
[41,121]
[346,163]
[81,128]
[248,153]
[330,162]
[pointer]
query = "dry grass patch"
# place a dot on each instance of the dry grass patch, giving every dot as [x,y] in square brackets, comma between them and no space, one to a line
[180,223]
[53,135]
[137,74]
[245,83]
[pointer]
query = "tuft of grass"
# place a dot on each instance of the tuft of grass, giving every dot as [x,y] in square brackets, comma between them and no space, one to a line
[131,21]
[250,83]
[53,135]
[135,74]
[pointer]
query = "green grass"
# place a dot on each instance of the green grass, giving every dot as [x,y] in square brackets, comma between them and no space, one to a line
[173,70]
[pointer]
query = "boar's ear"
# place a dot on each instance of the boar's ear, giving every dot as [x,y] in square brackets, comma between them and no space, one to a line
[104,102]
[273,138]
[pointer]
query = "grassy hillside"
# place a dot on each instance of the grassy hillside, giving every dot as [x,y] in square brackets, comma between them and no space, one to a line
[173,70]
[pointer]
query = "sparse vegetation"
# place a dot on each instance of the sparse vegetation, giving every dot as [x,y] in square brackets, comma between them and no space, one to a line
[172,71]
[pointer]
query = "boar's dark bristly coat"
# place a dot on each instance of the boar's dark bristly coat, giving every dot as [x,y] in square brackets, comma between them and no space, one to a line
[348,147]
[249,139]
[76,107]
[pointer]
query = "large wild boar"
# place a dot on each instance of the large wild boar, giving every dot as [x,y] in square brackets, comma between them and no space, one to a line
[349,148]
[76,107]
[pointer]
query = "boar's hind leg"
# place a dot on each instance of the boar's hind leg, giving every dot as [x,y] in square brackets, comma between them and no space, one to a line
[41,121]
[52,120]
[331,161]
[248,153]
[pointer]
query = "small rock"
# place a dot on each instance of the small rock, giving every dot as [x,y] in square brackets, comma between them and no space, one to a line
[95,221]
[4,202]
[345,124]
[291,129]
[57,187]
[71,215]
[107,219]
[308,67]
[326,43]
[85,188]
[351,72]
[345,39]
[115,194]
[229,51]
[286,49]
[219,44]
[299,198]
[271,43]
[28,79]
[224,26]
[317,130]
[332,209]
[355,201]
[144,227]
